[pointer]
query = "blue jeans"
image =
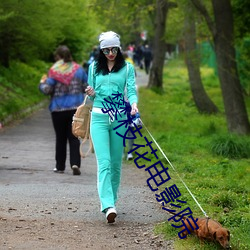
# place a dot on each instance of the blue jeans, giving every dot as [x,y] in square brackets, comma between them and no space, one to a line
[108,148]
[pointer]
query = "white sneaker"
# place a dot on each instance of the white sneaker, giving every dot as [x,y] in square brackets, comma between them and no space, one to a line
[58,171]
[111,214]
[129,157]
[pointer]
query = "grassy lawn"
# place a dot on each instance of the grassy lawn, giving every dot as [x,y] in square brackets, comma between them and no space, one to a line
[214,164]
[19,88]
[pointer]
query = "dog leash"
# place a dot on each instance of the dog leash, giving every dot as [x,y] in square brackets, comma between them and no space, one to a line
[175,170]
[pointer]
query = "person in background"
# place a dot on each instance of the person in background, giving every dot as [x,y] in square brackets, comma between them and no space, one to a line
[65,84]
[108,75]
[92,56]
[138,56]
[147,54]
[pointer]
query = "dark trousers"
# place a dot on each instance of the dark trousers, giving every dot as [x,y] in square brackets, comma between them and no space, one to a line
[62,122]
[147,65]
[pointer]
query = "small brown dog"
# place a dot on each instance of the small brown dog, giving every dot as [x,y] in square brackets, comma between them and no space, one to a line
[208,230]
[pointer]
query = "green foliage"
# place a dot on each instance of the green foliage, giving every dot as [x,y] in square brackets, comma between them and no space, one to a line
[243,59]
[28,33]
[231,146]
[210,129]
[175,25]
[224,200]
[128,18]
[219,183]
[241,17]
[19,87]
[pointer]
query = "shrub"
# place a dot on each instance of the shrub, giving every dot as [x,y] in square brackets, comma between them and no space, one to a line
[231,146]
[224,200]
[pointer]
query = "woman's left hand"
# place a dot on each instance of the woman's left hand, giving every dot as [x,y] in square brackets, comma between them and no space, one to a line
[134,109]
[90,91]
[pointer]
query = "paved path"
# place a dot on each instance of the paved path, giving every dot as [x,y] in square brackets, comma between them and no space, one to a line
[39,207]
[141,78]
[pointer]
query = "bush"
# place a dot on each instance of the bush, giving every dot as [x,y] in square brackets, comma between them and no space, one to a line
[231,146]
[224,200]
[19,88]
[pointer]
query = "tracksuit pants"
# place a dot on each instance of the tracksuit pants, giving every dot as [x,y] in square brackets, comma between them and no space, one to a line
[108,148]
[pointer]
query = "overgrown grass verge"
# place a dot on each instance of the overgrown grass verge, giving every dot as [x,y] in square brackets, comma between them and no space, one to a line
[214,164]
[19,88]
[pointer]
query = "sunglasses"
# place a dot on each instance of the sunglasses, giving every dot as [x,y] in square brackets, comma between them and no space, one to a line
[106,51]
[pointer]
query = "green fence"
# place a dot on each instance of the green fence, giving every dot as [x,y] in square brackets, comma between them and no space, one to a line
[208,58]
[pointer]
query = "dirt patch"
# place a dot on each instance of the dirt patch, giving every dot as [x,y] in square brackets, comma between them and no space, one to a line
[51,234]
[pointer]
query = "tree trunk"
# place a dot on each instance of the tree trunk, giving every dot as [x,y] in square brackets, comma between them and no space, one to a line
[159,46]
[223,38]
[235,109]
[201,99]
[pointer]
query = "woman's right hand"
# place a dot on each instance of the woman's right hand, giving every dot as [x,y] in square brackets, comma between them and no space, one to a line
[134,109]
[90,91]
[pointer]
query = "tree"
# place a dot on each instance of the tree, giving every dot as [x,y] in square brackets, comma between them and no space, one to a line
[28,33]
[201,99]
[23,33]
[223,38]
[127,17]
[159,44]
[241,17]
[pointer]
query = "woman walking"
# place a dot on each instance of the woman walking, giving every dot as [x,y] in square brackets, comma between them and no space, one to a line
[107,76]
[65,84]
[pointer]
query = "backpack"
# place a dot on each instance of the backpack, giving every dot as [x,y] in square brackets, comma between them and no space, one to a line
[81,126]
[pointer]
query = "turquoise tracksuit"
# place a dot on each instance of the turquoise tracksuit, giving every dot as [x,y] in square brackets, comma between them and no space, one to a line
[108,145]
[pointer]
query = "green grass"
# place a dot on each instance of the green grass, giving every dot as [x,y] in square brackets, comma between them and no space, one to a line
[19,88]
[214,164]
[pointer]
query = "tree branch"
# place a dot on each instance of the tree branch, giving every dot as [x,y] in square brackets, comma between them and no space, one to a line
[202,9]
[172,5]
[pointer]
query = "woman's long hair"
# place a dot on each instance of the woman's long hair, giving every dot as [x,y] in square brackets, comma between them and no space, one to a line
[102,66]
